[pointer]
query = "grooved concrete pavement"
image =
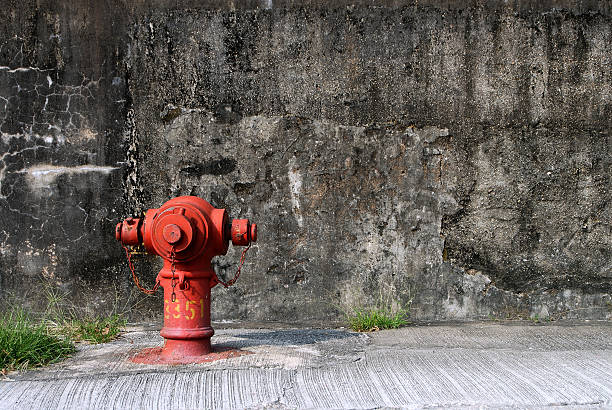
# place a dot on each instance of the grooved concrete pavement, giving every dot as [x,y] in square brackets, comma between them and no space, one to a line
[466,365]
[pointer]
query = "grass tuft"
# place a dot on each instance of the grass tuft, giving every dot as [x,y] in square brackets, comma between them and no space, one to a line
[63,319]
[372,319]
[91,330]
[24,343]
[27,341]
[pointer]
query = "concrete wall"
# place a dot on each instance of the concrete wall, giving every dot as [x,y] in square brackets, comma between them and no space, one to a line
[452,153]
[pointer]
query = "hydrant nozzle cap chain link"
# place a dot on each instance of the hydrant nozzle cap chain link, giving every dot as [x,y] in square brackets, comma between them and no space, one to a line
[187,232]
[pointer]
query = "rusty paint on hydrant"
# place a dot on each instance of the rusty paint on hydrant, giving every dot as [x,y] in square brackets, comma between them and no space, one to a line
[187,232]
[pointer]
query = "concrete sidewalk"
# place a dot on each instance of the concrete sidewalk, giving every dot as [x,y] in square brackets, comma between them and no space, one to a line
[467,365]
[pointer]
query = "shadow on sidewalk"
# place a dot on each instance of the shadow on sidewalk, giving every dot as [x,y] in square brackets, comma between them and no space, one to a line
[290,337]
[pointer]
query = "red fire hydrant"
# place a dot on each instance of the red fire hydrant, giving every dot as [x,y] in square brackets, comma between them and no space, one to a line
[187,232]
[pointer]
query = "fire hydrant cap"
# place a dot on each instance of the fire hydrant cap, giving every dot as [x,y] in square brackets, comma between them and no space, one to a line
[241,232]
[172,233]
[128,231]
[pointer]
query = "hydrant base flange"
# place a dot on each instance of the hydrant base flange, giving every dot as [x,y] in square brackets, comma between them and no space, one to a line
[155,355]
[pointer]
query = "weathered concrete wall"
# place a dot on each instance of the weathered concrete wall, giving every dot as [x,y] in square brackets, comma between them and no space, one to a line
[453,153]
[62,118]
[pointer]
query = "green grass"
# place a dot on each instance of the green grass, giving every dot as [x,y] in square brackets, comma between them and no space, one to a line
[372,319]
[25,343]
[64,320]
[91,330]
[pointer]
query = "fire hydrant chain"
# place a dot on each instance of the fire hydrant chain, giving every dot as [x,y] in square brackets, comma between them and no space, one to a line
[135,277]
[237,275]
[173,270]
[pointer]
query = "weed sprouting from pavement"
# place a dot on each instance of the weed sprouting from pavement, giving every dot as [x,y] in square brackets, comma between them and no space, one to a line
[372,319]
[92,330]
[67,322]
[386,313]
[26,343]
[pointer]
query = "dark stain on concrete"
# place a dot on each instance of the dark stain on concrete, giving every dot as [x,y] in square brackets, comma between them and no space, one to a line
[221,166]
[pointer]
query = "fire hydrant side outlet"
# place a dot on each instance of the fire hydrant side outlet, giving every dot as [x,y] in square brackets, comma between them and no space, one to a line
[128,232]
[187,232]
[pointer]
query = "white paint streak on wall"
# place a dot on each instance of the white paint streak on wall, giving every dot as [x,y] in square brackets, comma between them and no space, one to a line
[43,176]
[21,69]
[295,187]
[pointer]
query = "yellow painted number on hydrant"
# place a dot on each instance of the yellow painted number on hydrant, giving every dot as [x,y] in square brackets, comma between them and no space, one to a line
[190,312]
[189,309]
